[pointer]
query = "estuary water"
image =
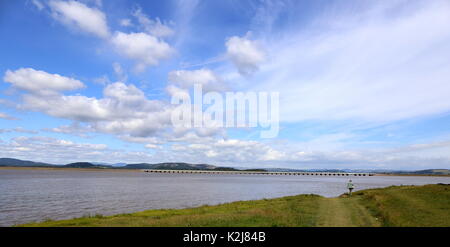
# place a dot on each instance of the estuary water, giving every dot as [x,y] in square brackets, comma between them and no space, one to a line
[28,195]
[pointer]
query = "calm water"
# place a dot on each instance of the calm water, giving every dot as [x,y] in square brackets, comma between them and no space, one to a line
[36,195]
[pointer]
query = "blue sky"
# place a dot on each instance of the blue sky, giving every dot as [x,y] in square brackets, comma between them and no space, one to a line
[362,84]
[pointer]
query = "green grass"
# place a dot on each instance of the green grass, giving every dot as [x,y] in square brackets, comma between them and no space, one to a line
[427,205]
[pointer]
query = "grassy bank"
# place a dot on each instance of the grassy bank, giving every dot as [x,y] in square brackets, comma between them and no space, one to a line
[427,205]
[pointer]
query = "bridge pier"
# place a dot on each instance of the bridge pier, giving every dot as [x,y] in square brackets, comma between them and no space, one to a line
[261,173]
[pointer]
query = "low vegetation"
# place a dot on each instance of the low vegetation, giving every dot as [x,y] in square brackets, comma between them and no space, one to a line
[427,205]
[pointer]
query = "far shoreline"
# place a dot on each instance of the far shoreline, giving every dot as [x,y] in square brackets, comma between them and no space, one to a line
[140,170]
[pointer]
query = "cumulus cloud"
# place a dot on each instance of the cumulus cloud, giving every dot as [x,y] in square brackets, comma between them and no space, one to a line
[194,135]
[146,49]
[124,109]
[80,16]
[40,82]
[80,108]
[174,90]
[245,54]
[125,94]
[186,79]
[228,152]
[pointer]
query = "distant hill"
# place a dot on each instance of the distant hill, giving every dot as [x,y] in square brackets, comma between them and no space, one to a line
[109,164]
[221,168]
[184,166]
[255,170]
[85,165]
[137,166]
[419,172]
[170,166]
[433,172]
[306,170]
[22,163]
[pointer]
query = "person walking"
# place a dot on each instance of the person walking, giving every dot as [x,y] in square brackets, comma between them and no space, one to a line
[350,187]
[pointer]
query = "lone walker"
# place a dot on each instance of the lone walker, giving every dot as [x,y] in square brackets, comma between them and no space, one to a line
[350,187]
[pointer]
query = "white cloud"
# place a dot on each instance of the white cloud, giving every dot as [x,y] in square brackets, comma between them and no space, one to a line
[153,27]
[147,50]
[232,151]
[194,135]
[125,94]
[186,79]
[124,110]
[174,90]
[79,108]
[124,106]
[76,14]
[40,82]
[245,54]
